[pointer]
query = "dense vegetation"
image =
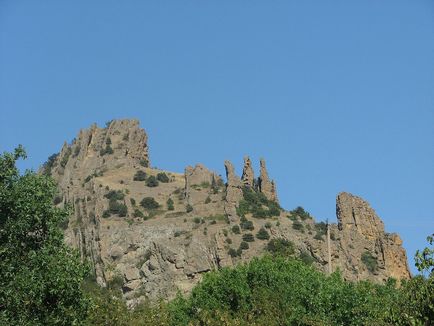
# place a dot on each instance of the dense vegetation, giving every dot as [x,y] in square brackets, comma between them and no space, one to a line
[42,281]
[39,276]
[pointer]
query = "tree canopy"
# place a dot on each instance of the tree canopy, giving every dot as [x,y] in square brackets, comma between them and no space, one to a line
[40,277]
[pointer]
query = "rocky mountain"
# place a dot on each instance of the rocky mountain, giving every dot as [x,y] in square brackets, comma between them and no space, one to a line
[155,232]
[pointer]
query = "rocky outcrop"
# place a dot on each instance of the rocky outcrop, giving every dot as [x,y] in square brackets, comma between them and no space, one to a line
[234,192]
[248,176]
[267,187]
[191,227]
[362,234]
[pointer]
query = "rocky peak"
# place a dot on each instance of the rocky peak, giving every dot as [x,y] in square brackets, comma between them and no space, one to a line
[363,235]
[234,191]
[248,176]
[267,187]
[355,213]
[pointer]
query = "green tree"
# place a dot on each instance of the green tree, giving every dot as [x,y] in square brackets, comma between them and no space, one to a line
[425,258]
[170,204]
[39,276]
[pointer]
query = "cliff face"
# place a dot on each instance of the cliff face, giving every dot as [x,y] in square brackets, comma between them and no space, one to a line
[157,232]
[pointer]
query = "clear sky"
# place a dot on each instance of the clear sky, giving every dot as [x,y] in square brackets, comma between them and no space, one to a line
[336,95]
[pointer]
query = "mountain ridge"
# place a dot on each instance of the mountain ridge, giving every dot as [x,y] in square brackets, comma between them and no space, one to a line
[123,223]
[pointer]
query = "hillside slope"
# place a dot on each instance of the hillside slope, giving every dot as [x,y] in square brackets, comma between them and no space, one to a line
[156,232]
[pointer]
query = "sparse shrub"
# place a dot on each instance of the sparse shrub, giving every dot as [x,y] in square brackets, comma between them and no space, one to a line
[262,234]
[118,208]
[49,164]
[300,212]
[297,225]
[370,261]
[162,177]
[225,232]
[65,157]
[170,204]
[108,141]
[144,163]
[306,258]
[106,150]
[318,236]
[244,245]
[248,237]
[138,213]
[247,225]
[152,181]
[188,208]
[197,220]
[149,203]
[236,229]
[115,195]
[133,201]
[140,176]
[268,225]
[228,240]
[208,200]
[106,214]
[205,184]
[232,252]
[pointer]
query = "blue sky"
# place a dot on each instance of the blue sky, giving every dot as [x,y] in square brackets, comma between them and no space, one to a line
[336,95]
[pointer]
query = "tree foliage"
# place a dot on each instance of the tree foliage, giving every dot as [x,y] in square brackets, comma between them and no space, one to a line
[39,276]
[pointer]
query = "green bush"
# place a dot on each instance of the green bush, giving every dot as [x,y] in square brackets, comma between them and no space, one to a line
[297,225]
[248,237]
[370,261]
[300,212]
[106,150]
[49,164]
[144,163]
[162,177]
[133,201]
[197,220]
[138,213]
[232,252]
[140,176]
[170,204]
[246,224]
[236,229]
[244,245]
[65,157]
[115,195]
[280,247]
[208,200]
[118,208]
[188,208]
[262,234]
[149,203]
[268,225]
[257,204]
[152,181]
[106,214]
[306,258]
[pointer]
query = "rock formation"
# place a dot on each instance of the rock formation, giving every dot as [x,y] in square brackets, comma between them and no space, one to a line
[234,192]
[267,187]
[361,228]
[248,176]
[160,237]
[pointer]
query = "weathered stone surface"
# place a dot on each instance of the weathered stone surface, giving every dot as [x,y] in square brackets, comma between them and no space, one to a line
[171,249]
[363,231]
[234,192]
[267,187]
[248,176]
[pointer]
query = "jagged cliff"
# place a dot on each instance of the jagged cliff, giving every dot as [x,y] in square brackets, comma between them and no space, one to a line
[156,232]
